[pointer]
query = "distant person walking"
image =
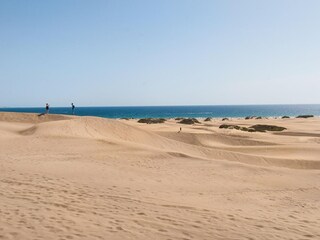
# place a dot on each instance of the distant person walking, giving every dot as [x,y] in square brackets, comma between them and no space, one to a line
[72,108]
[47,108]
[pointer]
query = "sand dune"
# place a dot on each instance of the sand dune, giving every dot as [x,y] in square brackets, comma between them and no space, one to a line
[68,177]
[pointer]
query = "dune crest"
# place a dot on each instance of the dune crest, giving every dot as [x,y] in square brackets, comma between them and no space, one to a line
[215,145]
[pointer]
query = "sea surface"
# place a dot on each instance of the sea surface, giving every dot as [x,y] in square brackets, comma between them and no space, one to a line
[181,111]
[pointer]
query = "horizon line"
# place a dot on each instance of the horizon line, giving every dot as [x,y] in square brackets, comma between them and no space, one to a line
[196,105]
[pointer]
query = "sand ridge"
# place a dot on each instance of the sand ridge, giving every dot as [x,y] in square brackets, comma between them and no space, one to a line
[68,177]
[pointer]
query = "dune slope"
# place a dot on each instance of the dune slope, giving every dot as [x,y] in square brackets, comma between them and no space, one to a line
[90,178]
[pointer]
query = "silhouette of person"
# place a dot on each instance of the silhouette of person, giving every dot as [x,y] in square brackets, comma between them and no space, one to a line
[47,108]
[72,108]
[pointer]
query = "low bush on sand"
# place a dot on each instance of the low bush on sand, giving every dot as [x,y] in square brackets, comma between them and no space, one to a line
[254,128]
[305,116]
[189,121]
[151,120]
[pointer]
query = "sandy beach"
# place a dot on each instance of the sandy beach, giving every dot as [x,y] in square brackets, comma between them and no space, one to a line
[64,177]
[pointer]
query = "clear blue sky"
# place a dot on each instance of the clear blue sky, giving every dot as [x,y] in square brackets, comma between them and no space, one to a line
[164,52]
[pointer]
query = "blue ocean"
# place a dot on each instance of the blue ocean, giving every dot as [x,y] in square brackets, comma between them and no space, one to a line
[216,111]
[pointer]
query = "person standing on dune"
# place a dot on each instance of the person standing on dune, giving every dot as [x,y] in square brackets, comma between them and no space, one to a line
[72,108]
[47,108]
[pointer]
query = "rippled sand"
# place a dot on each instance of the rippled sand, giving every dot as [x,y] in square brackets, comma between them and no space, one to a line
[90,178]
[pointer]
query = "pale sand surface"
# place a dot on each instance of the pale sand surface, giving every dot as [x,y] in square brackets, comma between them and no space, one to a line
[90,178]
